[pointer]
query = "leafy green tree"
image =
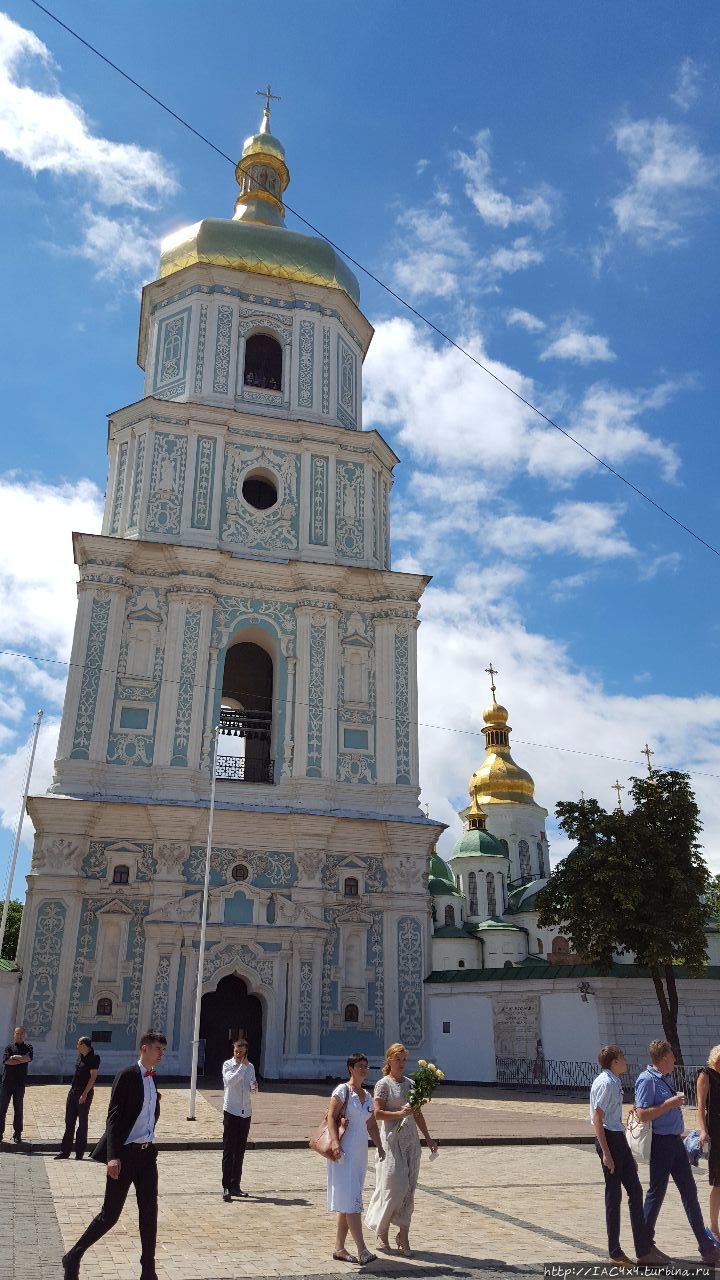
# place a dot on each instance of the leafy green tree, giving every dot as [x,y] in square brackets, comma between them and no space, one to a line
[636,882]
[12,929]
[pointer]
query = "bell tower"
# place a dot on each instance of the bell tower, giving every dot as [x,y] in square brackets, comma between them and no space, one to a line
[241,584]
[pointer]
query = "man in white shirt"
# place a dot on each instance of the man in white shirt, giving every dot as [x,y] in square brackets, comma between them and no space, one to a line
[240,1084]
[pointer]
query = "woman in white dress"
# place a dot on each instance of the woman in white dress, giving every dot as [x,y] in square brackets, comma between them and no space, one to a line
[393,1199]
[347,1169]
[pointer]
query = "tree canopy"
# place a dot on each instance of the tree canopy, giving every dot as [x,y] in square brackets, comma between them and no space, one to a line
[12,930]
[636,882]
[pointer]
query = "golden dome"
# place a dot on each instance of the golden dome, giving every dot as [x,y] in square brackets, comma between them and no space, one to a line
[499,779]
[256,239]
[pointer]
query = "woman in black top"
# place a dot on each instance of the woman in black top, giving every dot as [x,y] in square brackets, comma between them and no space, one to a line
[708,1103]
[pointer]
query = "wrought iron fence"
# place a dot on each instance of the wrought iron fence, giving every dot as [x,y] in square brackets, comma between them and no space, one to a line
[559,1073]
[243,769]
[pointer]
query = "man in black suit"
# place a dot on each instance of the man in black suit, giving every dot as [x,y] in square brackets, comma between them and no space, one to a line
[128,1148]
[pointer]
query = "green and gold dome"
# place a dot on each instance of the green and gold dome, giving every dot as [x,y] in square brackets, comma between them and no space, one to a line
[256,238]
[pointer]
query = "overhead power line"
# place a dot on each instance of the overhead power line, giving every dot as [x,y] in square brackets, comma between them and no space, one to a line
[423,724]
[403,302]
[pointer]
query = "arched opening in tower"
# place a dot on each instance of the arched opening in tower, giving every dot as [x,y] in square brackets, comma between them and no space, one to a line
[246,715]
[263,362]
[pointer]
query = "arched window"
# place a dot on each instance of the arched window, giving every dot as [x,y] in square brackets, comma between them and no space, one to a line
[352,1013]
[351,887]
[540,946]
[491,899]
[508,964]
[246,715]
[541,860]
[121,874]
[524,851]
[104,1007]
[263,362]
[449,914]
[504,846]
[472,894]
[560,950]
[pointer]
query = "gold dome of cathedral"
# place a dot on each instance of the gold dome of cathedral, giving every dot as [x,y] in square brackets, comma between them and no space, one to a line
[256,239]
[499,779]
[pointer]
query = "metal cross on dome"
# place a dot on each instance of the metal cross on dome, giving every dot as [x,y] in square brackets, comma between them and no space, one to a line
[616,787]
[648,756]
[268,96]
[492,672]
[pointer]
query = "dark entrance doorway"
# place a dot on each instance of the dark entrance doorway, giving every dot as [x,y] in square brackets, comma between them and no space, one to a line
[223,1015]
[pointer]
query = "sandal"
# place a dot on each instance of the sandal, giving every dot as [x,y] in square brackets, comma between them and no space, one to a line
[366,1256]
[404,1249]
[342,1255]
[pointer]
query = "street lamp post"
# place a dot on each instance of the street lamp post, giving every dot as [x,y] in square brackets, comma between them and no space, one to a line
[203,931]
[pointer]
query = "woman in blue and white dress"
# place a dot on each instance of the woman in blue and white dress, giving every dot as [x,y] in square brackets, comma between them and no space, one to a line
[348,1166]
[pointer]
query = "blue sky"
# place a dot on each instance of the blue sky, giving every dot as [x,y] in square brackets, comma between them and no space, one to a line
[540,179]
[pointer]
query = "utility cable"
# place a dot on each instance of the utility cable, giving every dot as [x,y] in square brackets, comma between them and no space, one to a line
[403,302]
[378,717]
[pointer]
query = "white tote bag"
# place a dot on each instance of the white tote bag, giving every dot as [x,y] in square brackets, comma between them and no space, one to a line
[639,1136]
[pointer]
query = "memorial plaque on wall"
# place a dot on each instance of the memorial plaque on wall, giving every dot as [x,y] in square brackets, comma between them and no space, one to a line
[516,1022]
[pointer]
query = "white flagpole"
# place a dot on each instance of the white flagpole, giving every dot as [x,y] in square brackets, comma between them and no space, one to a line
[203,930]
[18,833]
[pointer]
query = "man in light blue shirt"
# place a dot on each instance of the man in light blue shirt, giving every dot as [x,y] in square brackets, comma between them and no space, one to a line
[618,1166]
[656,1100]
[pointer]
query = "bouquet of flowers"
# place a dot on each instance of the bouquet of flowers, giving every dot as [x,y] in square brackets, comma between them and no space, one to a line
[424,1082]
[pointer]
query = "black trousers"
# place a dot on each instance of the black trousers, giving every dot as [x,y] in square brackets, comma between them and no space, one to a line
[17,1093]
[624,1175]
[235,1136]
[138,1168]
[76,1113]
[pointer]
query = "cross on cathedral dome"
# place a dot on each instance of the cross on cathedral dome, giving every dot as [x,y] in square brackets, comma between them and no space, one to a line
[499,779]
[256,238]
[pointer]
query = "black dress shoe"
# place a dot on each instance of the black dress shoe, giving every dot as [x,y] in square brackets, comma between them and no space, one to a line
[243,1194]
[17,1140]
[227,1195]
[63,1155]
[79,1157]
[71,1267]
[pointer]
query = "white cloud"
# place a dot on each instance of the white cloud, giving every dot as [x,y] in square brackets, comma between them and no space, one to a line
[687,84]
[118,247]
[37,573]
[551,702]
[493,205]
[421,166]
[575,344]
[431,251]
[669,173]
[443,409]
[587,529]
[47,132]
[651,568]
[564,588]
[37,586]
[524,320]
[514,257]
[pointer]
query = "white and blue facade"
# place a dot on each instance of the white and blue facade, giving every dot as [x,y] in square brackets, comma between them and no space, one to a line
[242,577]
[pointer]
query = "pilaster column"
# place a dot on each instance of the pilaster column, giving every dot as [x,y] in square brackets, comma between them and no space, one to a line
[302,691]
[330,702]
[169,688]
[86,592]
[317,994]
[206,603]
[413,701]
[385,699]
[109,672]
[289,742]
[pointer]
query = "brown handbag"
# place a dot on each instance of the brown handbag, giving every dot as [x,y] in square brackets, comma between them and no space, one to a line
[321,1140]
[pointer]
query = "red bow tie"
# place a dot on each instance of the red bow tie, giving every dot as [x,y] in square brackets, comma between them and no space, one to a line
[148,1073]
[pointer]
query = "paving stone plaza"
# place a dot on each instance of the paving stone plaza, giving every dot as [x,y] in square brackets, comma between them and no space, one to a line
[503,1207]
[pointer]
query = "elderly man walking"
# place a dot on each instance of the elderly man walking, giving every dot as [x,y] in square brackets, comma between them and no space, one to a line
[657,1101]
[16,1058]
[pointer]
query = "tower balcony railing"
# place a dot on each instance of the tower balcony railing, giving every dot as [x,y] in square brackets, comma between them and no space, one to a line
[244,769]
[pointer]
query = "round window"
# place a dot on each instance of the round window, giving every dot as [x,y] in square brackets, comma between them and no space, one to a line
[260,490]
[240,872]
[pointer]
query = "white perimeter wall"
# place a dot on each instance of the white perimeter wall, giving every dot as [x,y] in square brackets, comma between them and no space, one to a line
[620,1011]
[9,987]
